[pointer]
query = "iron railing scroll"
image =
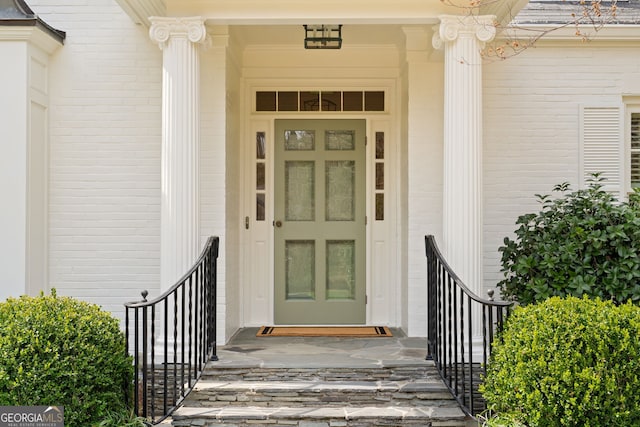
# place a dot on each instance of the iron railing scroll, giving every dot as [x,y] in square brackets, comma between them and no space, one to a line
[461,328]
[172,337]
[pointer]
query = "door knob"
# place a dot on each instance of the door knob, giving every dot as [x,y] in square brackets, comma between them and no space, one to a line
[278,223]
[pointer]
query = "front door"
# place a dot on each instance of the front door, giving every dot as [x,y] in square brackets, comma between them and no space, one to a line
[320,222]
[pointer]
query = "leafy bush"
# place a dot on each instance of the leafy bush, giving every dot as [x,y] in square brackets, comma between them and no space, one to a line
[567,362]
[60,351]
[582,243]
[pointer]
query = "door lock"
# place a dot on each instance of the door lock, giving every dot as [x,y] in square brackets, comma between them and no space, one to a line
[278,223]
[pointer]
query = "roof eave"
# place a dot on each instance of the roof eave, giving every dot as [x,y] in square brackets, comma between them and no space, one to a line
[21,15]
[568,32]
[140,10]
[57,35]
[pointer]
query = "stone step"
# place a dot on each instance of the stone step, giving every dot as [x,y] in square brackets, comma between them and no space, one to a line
[424,371]
[320,416]
[300,388]
[326,393]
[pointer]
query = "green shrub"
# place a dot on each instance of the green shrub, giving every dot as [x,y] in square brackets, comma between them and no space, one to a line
[583,243]
[567,362]
[60,351]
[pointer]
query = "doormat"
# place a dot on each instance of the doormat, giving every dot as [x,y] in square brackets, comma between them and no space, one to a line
[325,331]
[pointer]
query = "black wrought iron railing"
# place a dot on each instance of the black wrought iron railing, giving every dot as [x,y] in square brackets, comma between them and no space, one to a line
[172,337]
[461,329]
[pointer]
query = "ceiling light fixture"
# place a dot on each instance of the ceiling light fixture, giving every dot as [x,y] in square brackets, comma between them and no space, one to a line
[322,36]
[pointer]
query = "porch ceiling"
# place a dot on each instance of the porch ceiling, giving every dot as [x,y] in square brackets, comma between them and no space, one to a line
[283,35]
[298,12]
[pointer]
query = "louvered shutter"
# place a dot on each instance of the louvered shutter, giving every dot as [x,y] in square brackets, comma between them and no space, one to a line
[602,147]
[635,149]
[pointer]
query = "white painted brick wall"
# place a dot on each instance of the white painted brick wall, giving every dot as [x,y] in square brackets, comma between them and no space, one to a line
[531,127]
[104,183]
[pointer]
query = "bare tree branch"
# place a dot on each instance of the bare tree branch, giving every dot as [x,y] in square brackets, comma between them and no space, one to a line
[587,17]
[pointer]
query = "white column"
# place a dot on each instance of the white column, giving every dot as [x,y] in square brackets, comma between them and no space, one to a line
[179,39]
[462,38]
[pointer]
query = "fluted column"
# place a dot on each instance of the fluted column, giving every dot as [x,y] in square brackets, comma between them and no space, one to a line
[462,38]
[179,39]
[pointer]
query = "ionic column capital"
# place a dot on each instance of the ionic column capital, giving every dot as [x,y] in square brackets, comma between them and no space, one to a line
[163,28]
[451,27]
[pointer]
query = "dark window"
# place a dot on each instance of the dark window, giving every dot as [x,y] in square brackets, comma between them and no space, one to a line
[374,101]
[331,101]
[309,101]
[352,101]
[265,101]
[287,101]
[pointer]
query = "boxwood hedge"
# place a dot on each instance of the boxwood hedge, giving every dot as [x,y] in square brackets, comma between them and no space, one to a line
[567,362]
[61,351]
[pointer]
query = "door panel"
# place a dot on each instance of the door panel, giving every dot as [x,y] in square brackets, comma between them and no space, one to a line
[320,222]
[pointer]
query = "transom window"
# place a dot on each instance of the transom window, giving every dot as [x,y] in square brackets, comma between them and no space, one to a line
[320,101]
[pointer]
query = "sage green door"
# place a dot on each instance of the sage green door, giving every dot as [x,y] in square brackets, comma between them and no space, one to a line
[320,222]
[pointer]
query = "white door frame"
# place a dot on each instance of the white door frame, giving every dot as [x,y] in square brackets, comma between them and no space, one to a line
[383,238]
